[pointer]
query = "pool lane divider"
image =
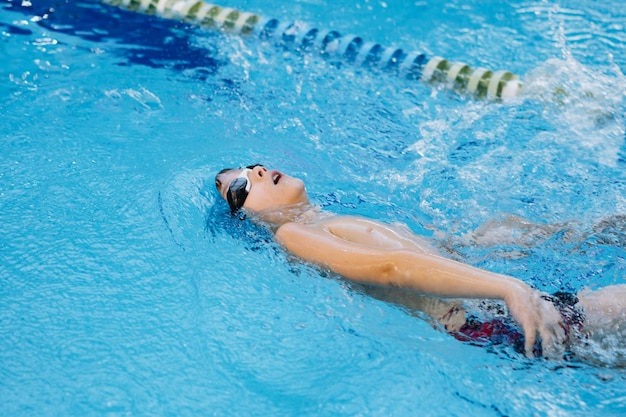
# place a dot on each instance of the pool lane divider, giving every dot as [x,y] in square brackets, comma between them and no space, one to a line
[479,82]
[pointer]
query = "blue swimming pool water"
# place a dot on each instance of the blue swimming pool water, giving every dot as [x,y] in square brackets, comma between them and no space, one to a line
[126,290]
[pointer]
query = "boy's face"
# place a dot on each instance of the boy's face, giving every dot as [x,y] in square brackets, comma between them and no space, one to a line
[267,189]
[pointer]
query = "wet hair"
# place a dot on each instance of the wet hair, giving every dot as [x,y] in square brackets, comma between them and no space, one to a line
[218,183]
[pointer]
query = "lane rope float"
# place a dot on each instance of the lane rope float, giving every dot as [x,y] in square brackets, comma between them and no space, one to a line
[480,82]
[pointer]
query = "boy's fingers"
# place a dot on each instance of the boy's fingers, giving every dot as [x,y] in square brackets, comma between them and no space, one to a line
[551,332]
[529,340]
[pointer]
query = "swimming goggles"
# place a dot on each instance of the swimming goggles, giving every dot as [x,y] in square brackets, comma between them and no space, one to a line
[239,188]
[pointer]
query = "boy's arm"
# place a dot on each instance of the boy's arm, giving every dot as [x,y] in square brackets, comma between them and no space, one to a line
[424,273]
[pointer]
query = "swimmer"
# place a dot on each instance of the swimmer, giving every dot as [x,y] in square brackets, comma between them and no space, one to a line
[378,254]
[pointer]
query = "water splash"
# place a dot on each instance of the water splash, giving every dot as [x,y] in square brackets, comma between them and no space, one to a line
[588,104]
